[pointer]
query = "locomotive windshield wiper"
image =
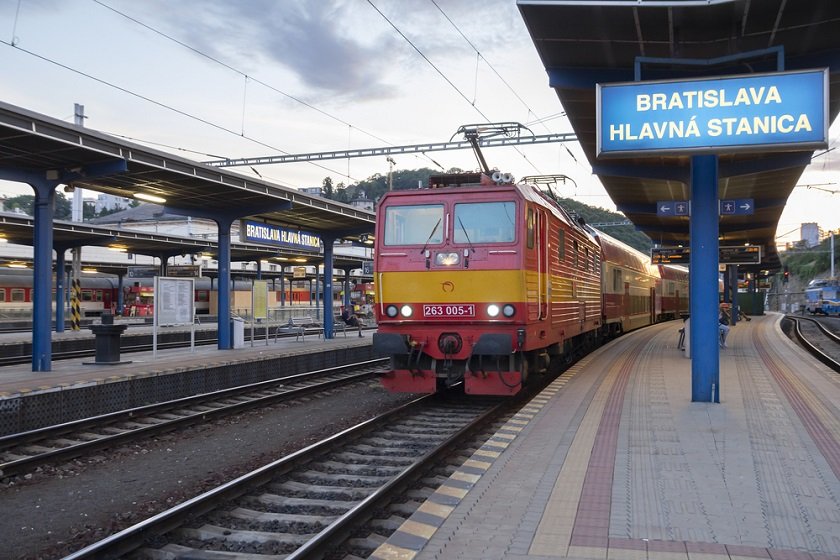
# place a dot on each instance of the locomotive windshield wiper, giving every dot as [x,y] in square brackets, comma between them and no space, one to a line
[460,223]
[434,229]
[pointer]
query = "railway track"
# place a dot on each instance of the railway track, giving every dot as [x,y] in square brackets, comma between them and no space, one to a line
[821,342]
[23,452]
[309,502]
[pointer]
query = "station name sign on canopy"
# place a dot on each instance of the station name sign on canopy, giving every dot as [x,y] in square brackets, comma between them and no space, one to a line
[260,232]
[723,114]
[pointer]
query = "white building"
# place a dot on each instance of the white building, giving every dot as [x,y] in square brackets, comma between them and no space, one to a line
[110,202]
[811,234]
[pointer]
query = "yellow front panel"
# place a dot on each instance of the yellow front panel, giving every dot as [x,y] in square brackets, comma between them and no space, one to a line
[455,286]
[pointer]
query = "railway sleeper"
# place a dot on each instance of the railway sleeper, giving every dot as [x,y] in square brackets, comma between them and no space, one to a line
[382,450]
[177,552]
[235,536]
[317,492]
[254,516]
[378,458]
[303,505]
[344,480]
[367,469]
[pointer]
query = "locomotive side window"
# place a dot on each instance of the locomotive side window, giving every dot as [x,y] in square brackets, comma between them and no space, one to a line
[2,295]
[575,248]
[486,222]
[531,227]
[18,295]
[420,224]
[561,245]
[618,285]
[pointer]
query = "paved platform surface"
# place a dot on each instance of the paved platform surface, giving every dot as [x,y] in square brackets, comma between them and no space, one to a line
[65,374]
[613,461]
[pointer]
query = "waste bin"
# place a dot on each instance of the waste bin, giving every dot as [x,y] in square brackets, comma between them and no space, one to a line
[237,332]
[107,341]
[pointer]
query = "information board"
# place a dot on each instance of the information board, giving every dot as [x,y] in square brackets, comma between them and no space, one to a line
[740,254]
[174,301]
[670,255]
[259,299]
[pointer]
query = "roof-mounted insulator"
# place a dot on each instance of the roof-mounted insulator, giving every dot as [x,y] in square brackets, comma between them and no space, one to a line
[502,178]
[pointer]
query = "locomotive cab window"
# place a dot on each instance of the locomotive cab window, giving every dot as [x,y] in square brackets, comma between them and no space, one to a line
[485,222]
[531,225]
[419,224]
[561,245]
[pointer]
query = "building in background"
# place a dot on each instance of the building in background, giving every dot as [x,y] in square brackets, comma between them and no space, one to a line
[110,202]
[811,234]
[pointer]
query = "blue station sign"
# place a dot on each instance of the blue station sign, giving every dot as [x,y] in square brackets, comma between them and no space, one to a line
[260,232]
[724,114]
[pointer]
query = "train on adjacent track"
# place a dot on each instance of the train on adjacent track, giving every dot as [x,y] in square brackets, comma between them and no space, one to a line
[484,281]
[99,294]
[822,296]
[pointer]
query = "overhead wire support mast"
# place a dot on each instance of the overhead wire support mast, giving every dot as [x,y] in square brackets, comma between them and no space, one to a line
[390,150]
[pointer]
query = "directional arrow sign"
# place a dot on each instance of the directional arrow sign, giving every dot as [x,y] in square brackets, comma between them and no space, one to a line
[737,206]
[672,208]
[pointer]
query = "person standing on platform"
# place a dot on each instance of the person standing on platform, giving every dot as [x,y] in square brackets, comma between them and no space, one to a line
[723,324]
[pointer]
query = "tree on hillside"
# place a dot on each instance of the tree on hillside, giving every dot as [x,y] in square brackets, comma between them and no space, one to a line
[327,188]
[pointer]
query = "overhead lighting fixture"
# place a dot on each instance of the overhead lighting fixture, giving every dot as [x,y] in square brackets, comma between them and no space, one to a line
[118,248]
[89,271]
[149,197]
[300,260]
[17,265]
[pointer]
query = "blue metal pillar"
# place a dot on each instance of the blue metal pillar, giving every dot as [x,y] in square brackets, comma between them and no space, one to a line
[44,206]
[120,296]
[329,261]
[225,342]
[59,289]
[705,353]
[346,287]
[283,285]
[733,281]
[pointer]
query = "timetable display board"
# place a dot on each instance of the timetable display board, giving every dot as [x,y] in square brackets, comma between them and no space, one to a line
[174,300]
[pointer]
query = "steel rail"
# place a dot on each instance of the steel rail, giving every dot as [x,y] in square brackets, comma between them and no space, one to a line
[136,414]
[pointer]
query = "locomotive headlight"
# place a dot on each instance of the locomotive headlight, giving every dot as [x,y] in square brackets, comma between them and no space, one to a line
[493,310]
[447,259]
[508,310]
[391,311]
[406,311]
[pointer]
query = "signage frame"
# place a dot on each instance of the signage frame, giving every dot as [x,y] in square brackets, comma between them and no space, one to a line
[707,148]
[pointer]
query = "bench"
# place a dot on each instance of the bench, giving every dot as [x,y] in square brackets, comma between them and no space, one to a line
[301,326]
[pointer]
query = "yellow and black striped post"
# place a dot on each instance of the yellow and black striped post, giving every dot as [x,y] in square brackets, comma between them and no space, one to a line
[75,305]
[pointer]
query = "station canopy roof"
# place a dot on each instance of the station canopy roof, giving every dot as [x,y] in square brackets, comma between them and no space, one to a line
[85,158]
[19,228]
[584,42]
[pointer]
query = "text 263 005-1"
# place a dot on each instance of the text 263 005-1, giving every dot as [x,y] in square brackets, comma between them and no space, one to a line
[452,310]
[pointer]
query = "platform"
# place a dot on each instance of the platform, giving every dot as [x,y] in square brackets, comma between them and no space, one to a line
[74,389]
[613,461]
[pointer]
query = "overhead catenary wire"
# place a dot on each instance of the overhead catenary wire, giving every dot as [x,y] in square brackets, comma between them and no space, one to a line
[246,76]
[159,104]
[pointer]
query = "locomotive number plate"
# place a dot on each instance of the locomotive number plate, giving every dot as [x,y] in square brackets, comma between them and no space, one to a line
[447,311]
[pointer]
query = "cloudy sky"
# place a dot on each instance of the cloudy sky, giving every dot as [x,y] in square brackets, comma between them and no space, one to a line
[223,78]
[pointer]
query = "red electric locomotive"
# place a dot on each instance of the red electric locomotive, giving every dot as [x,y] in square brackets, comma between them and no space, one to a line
[482,281]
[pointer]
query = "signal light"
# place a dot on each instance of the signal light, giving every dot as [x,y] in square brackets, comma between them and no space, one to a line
[785,275]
